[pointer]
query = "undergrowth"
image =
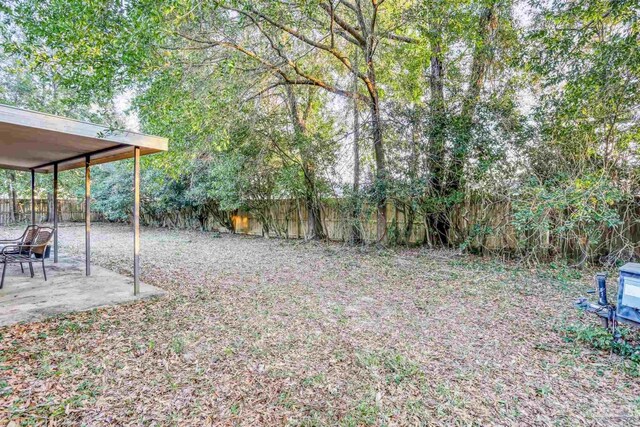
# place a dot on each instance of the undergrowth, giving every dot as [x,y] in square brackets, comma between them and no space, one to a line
[599,338]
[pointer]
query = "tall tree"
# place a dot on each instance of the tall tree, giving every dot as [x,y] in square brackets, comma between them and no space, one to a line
[452,125]
[299,118]
[332,29]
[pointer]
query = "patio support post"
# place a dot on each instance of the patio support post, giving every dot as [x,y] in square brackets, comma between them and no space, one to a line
[87,214]
[55,213]
[33,196]
[136,221]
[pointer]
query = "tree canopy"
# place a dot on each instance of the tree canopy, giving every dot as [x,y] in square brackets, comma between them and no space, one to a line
[423,104]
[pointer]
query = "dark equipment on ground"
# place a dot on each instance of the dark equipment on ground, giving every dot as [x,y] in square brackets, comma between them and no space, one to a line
[627,308]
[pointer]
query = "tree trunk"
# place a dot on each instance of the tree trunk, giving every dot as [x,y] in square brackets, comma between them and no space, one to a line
[378,148]
[312,203]
[266,229]
[13,206]
[381,172]
[447,183]
[410,217]
[356,234]
[482,57]
[368,47]
[314,211]
[413,176]
[49,207]
[437,218]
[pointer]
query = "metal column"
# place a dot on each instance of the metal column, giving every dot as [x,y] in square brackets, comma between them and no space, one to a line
[33,196]
[87,215]
[136,221]
[55,212]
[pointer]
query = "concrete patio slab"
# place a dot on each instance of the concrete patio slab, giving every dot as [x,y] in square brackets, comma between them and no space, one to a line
[68,289]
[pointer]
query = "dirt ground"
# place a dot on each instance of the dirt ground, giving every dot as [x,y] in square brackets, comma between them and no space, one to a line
[268,332]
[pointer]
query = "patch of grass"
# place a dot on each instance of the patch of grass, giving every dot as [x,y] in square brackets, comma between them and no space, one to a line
[450,396]
[415,407]
[397,367]
[51,409]
[477,264]
[543,391]
[444,390]
[368,360]
[315,419]
[87,389]
[70,364]
[5,390]
[560,272]
[339,312]
[312,380]
[365,414]
[285,400]
[96,369]
[340,356]
[69,326]
[235,409]
[45,370]
[74,402]
[562,276]
[601,339]
[178,345]
[400,368]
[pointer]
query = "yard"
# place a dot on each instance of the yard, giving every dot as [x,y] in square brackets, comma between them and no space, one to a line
[268,332]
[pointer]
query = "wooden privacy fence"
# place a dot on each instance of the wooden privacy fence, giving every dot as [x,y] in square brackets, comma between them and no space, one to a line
[287,218]
[479,224]
[68,210]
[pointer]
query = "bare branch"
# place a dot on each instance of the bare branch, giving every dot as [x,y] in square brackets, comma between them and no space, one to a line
[400,38]
[344,59]
[344,24]
[349,5]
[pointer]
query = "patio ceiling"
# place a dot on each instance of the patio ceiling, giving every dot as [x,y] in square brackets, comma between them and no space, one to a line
[39,142]
[31,140]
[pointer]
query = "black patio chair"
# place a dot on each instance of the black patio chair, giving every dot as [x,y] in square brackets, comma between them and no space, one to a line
[26,239]
[19,254]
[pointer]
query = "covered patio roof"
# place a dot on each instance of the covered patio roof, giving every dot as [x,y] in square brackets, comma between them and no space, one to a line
[30,140]
[39,142]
